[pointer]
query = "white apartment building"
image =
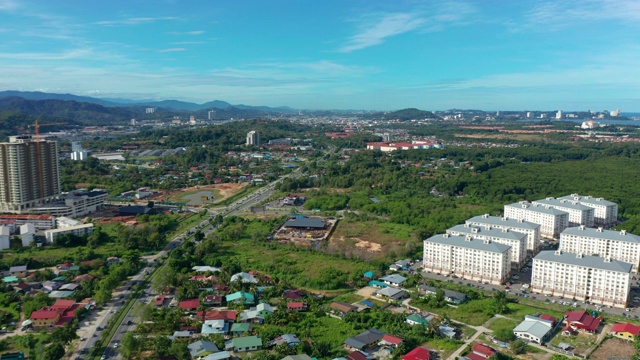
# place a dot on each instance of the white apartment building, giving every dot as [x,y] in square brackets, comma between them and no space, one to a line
[605,212]
[5,238]
[467,257]
[84,229]
[552,221]
[578,214]
[253,138]
[74,204]
[27,234]
[601,280]
[517,241]
[29,173]
[518,225]
[619,245]
[40,222]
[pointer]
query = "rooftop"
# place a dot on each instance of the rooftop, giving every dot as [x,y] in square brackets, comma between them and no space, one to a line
[468,242]
[587,199]
[569,204]
[503,221]
[544,209]
[305,223]
[595,262]
[488,231]
[600,233]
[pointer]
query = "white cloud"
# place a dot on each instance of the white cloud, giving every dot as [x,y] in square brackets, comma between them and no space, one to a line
[8,5]
[135,20]
[66,55]
[177,49]
[387,26]
[194,32]
[187,42]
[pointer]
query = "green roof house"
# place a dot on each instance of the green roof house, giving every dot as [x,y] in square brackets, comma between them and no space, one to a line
[246,343]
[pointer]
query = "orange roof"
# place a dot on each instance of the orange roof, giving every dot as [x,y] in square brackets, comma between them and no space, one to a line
[627,327]
[62,304]
[26,217]
[392,339]
[44,314]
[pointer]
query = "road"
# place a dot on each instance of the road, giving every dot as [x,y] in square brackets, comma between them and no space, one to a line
[129,322]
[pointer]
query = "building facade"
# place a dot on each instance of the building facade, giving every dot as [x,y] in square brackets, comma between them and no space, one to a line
[467,257]
[40,222]
[578,214]
[518,225]
[29,173]
[600,280]
[618,245]
[517,241]
[74,204]
[552,221]
[605,212]
[253,138]
[80,230]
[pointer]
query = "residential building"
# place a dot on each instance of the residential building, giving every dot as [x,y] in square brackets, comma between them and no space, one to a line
[342,308]
[40,222]
[581,320]
[619,245]
[601,280]
[253,138]
[517,240]
[579,214]
[202,348]
[552,221]
[240,296]
[419,353]
[78,230]
[605,212]
[77,203]
[297,357]
[5,234]
[214,327]
[19,271]
[246,343]
[364,339]
[27,234]
[181,335]
[416,319]
[29,173]
[625,331]
[534,329]
[517,225]
[393,280]
[390,293]
[65,222]
[244,278]
[450,296]
[483,351]
[467,257]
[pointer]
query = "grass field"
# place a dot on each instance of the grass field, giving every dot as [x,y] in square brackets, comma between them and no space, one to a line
[374,239]
[186,196]
[472,312]
[444,347]
[501,323]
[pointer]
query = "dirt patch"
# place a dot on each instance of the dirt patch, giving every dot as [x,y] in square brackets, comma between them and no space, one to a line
[613,349]
[224,191]
[367,291]
[370,246]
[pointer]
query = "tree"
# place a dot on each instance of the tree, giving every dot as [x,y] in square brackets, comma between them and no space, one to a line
[54,352]
[129,345]
[198,236]
[518,347]
[504,334]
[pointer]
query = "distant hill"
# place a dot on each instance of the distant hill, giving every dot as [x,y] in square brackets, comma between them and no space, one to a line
[410,114]
[118,102]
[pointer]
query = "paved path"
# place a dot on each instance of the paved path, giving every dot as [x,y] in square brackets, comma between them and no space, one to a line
[458,352]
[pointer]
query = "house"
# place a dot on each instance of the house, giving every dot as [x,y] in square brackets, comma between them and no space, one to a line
[160,300]
[213,300]
[44,319]
[296,306]
[189,304]
[534,329]
[10,279]
[289,339]
[240,297]
[252,316]
[297,357]
[181,335]
[625,331]
[214,327]
[393,280]
[342,308]
[450,296]
[205,269]
[368,275]
[241,328]
[581,320]
[416,319]
[390,341]
[220,355]
[244,278]
[357,355]
[400,265]
[80,278]
[245,343]
[112,260]
[365,339]
[264,309]
[202,348]
[483,350]
[18,271]
[447,330]
[293,294]
[390,293]
[226,315]
[377,284]
[50,285]
[419,353]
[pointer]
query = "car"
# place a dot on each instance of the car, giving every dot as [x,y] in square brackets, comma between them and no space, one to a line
[83,338]
[116,345]
[129,322]
[103,357]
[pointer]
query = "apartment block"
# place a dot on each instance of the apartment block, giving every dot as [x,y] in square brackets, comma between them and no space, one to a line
[74,204]
[605,212]
[467,257]
[600,280]
[84,229]
[619,245]
[253,138]
[579,214]
[40,222]
[29,173]
[518,225]
[552,221]
[517,241]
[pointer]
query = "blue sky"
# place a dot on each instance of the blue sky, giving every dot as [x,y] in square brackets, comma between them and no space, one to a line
[330,54]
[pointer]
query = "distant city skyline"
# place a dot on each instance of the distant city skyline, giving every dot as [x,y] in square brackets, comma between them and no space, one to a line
[335,54]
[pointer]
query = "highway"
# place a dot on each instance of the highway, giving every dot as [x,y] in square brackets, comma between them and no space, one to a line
[129,321]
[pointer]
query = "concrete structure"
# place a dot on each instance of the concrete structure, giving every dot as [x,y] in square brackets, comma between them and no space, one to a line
[534,329]
[552,221]
[467,257]
[27,234]
[5,235]
[600,280]
[517,241]
[605,212]
[578,214]
[518,225]
[40,222]
[618,245]
[253,138]
[77,152]
[626,331]
[29,173]
[80,230]
[65,222]
[74,204]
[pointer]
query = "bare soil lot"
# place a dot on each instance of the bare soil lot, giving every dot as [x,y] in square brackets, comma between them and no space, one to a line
[613,348]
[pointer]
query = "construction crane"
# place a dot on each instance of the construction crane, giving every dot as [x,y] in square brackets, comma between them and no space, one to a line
[39,157]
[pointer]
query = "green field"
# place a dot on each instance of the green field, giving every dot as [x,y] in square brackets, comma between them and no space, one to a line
[472,312]
[502,323]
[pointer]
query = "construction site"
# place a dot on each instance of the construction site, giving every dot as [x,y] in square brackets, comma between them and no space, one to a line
[307,231]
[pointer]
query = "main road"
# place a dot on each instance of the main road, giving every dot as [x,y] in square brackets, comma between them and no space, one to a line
[128,323]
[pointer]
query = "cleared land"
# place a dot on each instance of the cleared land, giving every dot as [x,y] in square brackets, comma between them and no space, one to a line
[613,348]
[371,239]
[193,195]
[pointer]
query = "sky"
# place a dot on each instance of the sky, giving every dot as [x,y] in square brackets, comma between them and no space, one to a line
[330,54]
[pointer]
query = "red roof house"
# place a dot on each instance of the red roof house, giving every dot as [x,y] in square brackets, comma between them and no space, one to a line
[582,320]
[419,353]
[357,355]
[473,356]
[483,350]
[625,331]
[226,315]
[160,300]
[391,340]
[296,306]
[189,304]
[549,318]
